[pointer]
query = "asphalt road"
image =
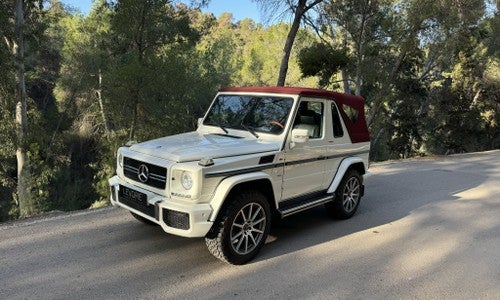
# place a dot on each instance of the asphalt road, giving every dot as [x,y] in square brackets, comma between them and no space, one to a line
[426,228]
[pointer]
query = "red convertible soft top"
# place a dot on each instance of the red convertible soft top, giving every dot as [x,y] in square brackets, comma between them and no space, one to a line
[351,107]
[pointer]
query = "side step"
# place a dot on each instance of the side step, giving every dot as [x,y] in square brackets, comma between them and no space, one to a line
[293,206]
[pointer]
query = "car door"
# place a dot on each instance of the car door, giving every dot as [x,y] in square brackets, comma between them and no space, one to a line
[304,162]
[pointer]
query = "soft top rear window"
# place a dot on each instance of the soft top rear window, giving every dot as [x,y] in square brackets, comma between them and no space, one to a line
[351,112]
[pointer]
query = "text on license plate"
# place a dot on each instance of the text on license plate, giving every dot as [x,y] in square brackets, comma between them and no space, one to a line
[133,195]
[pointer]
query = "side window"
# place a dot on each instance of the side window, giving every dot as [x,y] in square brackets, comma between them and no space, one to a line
[310,117]
[350,112]
[337,124]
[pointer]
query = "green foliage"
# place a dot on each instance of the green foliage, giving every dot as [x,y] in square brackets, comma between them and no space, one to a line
[146,69]
[428,69]
[323,61]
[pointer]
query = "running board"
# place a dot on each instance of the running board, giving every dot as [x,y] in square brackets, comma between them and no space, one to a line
[289,210]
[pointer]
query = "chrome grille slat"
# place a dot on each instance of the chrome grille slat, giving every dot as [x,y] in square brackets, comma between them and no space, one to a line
[158,177]
[131,168]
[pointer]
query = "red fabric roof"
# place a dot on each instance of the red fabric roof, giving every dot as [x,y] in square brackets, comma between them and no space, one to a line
[358,131]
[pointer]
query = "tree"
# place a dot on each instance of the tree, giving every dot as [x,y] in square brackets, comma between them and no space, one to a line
[321,60]
[23,173]
[400,51]
[299,9]
[141,28]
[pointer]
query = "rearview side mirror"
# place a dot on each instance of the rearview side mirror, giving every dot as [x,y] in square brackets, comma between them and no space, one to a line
[300,136]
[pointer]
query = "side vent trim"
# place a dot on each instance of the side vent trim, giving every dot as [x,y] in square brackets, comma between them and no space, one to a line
[266,159]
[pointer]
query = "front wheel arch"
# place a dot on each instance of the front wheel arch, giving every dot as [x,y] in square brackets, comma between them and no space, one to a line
[259,181]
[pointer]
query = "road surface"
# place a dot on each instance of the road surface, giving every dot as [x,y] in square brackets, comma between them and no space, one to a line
[427,228]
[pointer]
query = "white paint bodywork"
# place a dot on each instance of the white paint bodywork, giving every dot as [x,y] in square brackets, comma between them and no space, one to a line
[237,160]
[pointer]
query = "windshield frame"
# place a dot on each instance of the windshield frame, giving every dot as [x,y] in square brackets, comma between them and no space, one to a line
[243,127]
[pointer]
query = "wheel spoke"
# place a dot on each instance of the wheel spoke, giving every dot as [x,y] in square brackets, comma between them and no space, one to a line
[258,231]
[259,221]
[346,199]
[255,214]
[246,244]
[236,236]
[242,213]
[250,212]
[238,225]
[354,185]
[239,244]
[253,239]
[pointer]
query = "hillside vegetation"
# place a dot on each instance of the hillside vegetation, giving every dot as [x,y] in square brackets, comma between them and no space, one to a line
[74,88]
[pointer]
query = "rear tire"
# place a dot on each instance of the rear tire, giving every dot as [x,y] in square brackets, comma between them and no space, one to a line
[347,196]
[241,228]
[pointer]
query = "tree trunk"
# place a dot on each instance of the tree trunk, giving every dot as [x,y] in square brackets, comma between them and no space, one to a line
[25,199]
[139,44]
[107,126]
[359,56]
[299,12]
[133,124]
[345,81]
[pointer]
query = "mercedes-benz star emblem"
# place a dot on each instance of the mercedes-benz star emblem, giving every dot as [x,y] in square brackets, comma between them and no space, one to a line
[143,173]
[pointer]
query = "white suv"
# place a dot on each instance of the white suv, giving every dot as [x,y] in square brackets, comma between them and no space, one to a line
[259,153]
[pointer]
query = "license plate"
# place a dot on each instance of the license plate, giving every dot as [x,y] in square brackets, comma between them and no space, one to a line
[132,195]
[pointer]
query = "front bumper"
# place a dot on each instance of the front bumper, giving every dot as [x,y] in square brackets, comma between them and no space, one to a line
[183,219]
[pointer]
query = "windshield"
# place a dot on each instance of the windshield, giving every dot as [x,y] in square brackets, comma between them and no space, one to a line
[251,113]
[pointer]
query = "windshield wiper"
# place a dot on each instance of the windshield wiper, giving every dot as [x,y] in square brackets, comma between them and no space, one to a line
[250,129]
[223,128]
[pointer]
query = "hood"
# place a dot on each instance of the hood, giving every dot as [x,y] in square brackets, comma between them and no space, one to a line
[194,146]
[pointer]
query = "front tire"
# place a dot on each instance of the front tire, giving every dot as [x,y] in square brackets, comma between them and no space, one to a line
[242,228]
[347,196]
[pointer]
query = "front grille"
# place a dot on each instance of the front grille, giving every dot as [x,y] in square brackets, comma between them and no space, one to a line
[176,219]
[156,175]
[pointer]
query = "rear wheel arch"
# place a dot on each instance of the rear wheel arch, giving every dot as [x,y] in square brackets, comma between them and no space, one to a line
[349,163]
[359,166]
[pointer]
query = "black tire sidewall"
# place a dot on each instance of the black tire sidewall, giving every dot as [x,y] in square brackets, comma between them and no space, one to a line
[340,191]
[336,208]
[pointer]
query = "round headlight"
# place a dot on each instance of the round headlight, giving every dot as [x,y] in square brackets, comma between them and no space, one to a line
[186,180]
[120,159]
